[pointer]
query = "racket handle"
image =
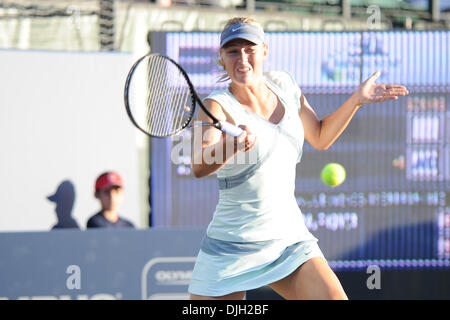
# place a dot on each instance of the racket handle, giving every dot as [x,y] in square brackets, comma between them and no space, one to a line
[230,129]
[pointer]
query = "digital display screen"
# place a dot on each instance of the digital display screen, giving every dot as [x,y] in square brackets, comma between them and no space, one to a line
[393,208]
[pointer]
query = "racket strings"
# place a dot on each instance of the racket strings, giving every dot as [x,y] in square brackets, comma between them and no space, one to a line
[175,78]
[167,97]
[182,94]
[156,119]
[179,94]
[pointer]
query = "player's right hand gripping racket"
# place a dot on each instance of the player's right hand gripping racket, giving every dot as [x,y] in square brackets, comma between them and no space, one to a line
[160,99]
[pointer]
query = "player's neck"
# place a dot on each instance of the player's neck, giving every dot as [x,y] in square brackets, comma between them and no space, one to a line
[256,99]
[249,95]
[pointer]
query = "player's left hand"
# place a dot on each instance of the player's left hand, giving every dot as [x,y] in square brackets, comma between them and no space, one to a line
[371,92]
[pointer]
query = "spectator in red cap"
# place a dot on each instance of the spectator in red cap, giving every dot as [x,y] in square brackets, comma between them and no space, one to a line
[109,191]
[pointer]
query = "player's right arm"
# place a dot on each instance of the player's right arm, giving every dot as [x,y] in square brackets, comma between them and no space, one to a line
[211,148]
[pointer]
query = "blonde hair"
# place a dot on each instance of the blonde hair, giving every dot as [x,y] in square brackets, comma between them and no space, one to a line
[241,20]
[223,74]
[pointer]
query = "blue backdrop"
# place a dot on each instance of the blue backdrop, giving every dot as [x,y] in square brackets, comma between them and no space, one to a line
[98,264]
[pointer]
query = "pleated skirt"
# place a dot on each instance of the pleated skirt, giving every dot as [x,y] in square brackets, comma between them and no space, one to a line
[224,267]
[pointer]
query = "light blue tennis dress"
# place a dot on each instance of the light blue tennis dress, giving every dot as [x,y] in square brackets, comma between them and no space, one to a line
[257,235]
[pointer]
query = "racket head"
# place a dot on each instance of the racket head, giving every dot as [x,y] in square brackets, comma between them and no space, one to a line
[159,98]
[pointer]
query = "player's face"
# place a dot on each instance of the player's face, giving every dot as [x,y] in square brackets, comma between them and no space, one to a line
[243,61]
[111,198]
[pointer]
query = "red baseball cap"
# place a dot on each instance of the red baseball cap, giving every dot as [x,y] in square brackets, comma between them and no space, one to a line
[108,180]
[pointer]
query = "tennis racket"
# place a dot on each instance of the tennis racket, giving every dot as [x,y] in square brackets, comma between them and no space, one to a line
[160,99]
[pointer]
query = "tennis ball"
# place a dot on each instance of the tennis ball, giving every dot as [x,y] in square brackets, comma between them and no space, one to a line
[333,174]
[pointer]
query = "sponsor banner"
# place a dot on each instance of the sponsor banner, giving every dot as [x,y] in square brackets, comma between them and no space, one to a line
[98,264]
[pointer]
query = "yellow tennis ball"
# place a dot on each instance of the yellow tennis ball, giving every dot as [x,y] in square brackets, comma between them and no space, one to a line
[333,174]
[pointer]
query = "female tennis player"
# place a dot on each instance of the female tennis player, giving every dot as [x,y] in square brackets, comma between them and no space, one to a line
[257,236]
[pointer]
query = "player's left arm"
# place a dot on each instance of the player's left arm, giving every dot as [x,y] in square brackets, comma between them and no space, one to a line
[321,134]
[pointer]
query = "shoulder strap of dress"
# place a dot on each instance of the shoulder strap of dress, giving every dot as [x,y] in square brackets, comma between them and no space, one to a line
[285,86]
